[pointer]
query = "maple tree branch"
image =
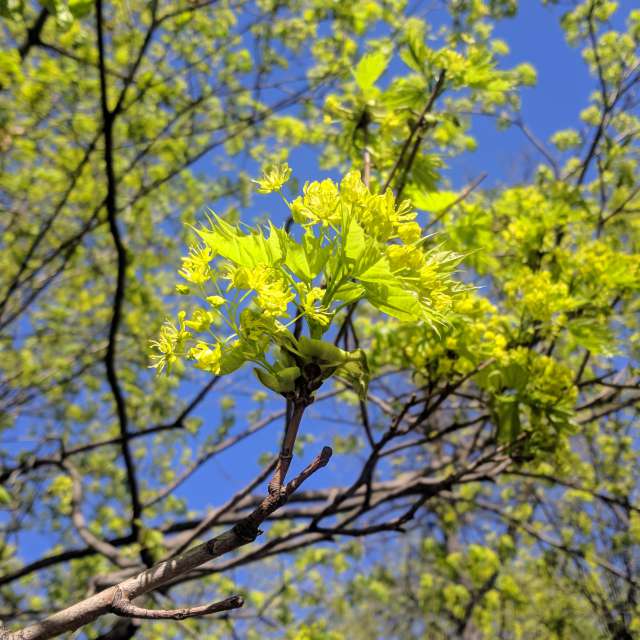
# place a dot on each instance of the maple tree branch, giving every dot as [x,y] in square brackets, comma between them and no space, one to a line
[33,34]
[77,518]
[288,442]
[108,119]
[437,89]
[111,600]
[125,608]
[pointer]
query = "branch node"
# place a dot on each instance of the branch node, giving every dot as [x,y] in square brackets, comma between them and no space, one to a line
[246,531]
[123,607]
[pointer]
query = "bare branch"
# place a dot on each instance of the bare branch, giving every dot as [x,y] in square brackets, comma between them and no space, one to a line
[244,532]
[420,122]
[79,522]
[125,608]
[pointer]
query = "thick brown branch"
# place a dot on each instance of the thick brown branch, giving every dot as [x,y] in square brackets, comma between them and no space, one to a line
[33,34]
[288,442]
[244,532]
[108,118]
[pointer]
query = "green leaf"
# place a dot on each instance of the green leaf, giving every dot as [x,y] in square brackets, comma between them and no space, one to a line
[515,376]
[356,372]
[416,54]
[593,335]
[246,250]
[321,351]
[306,260]
[395,301]
[377,273]
[281,382]
[5,496]
[80,8]
[354,240]
[369,69]
[425,172]
[434,201]
[388,294]
[509,425]
[11,9]
[404,93]
[232,359]
[349,292]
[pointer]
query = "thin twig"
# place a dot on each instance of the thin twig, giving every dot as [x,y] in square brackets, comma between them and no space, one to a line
[466,191]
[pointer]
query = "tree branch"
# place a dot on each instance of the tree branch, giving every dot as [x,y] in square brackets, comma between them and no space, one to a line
[125,608]
[112,211]
[111,600]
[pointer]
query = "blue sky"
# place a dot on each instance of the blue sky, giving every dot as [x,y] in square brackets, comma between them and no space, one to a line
[563,89]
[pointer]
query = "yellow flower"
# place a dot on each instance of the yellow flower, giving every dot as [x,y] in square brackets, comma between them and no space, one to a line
[381,218]
[216,301]
[206,357]
[255,329]
[170,343]
[273,178]
[272,291]
[409,232]
[195,266]
[238,277]
[274,297]
[320,203]
[318,313]
[353,190]
[244,278]
[201,320]
[402,257]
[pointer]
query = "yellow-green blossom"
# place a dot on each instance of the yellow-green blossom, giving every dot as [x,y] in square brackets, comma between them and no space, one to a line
[216,301]
[273,178]
[201,320]
[316,312]
[207,357]
[409,232]
[170,343]
[274,297]
[403,257]
[352,189]
[382,218]
[272,291]
[195,266]
[320,203]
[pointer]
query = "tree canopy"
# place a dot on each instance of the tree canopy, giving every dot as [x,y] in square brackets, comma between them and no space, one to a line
[224,221]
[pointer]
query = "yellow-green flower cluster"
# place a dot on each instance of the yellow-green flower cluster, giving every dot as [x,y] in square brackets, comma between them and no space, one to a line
[352,245]
[196,266]
[313,308]
[327,204]
[537,295]
[319,204]
[475,334]
[207,357]
[274,178]
[273,293]
[170,343]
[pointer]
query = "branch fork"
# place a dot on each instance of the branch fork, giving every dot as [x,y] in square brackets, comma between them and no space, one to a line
[119,598]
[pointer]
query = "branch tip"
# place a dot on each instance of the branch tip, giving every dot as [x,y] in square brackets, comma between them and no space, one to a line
[125,608]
